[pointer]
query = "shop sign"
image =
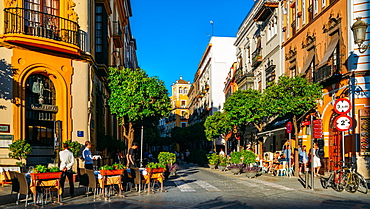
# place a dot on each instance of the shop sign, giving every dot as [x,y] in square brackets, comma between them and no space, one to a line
[5,140]
[305,123]
[44,107]
[365,132]
[4,128]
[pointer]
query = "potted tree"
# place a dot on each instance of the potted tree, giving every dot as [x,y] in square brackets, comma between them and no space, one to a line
[236,162]
[19,150]
[213,159]
[223,161]
[249,158]
[168,159]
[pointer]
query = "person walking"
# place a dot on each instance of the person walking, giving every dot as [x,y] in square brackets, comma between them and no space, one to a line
[131,155]
[88,159]
[66,163]
[303,159]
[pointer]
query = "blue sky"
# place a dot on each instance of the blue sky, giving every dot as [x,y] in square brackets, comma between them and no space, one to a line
[172,35]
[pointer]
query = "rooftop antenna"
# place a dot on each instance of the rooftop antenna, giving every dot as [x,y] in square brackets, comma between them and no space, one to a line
[211,22]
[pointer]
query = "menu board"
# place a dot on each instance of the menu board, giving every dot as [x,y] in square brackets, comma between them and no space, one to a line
[364,133]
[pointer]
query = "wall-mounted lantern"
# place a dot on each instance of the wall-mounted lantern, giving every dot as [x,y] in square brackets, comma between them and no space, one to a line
[359,33]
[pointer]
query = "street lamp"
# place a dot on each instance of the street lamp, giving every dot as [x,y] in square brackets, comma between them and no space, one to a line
[359,33]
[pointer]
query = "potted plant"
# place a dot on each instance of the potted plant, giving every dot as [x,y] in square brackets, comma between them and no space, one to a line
[168,159]
[42,172]
[223,161]
[213,159]
[19,150]
[155,167]
[110,170]
[236,160]
[249,158]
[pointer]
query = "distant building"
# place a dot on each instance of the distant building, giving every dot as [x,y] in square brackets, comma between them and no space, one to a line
[206,94]
[180,111]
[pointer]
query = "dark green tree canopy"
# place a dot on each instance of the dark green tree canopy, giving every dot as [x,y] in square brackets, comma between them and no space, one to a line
[217,125]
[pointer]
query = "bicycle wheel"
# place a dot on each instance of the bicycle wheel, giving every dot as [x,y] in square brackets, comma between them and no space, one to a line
[362,184]
[338,184]
[328,182]
[352,183]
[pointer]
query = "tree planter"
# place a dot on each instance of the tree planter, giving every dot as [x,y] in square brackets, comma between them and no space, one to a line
[235,170]
[40,176]
[212,166]
[111,172]
[221,167]
[251,174]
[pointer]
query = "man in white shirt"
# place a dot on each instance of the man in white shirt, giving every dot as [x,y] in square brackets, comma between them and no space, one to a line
[66,163]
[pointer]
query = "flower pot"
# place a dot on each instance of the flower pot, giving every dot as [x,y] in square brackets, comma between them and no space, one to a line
[111,172]
[155,170]
[50,175]
[211,166]
[235,170]
[251,174]
[221,167]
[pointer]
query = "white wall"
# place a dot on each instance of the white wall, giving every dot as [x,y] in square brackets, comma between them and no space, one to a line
[6,88]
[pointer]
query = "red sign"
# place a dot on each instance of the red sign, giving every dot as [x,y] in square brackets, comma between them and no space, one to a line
[317,129]
[305,123]
[342,106]
[289,127]
[343,122]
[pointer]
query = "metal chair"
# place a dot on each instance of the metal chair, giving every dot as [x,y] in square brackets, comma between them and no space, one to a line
[138,178]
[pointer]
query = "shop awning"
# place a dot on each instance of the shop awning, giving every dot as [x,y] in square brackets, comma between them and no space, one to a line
[333,43]
[309,60]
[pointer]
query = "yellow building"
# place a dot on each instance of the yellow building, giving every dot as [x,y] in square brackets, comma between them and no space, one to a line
[179,102]
[54,58]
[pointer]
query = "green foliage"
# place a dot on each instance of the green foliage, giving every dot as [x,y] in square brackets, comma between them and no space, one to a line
[217,125]
[135,95]
[106,167]
[74,146]
[223,161]
[236,157]
[40,169]
[292,95]
[247,106]
[155,165]
[213,158]
[19,150]
[248,157]
[118,166]
[54,169]
[166,158]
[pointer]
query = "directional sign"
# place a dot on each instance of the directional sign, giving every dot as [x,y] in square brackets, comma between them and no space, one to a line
[342,122]
[317,129]
[289,127]
[342,106]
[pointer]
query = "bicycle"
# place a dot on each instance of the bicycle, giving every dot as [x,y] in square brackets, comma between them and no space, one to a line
[346,178]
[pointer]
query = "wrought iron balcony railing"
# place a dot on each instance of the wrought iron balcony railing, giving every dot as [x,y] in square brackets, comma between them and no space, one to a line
[325,74]
[257,57]
[35,23]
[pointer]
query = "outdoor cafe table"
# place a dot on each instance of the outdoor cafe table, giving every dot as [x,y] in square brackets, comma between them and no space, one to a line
[46,180]
[110,178]
[156,176]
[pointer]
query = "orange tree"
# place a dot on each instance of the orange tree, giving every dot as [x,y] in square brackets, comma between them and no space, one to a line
[136,97]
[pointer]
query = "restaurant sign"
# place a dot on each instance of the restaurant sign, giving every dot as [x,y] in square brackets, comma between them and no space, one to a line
[44,107]
[365,132]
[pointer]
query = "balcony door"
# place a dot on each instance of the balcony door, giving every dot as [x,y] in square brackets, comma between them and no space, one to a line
[41,18]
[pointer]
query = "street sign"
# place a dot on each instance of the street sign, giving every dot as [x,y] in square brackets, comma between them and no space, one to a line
[343,122]
[305,123]
[289,127]
[342,106]
[317,129]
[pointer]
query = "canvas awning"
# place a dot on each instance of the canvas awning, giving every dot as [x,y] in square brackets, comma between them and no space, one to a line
[309,60]
[333,43]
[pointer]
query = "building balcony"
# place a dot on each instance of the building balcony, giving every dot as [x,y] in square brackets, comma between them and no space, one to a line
[327,75]
[37,29]
[257,57]
[117,35]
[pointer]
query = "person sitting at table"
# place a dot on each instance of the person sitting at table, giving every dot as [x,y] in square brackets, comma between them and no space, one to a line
[276,163]
[88,159]
[66,163]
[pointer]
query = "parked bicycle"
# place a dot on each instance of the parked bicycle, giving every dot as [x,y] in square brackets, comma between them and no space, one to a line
[346,178]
